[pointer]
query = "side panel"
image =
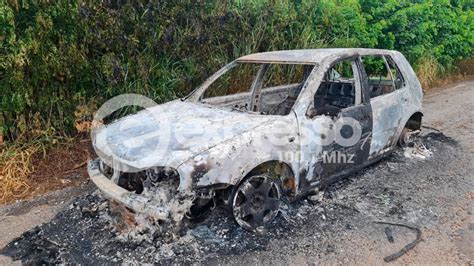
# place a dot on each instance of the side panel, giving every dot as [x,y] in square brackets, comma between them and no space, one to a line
[388,112]
[324,155]
[229,162]
[391,111]
[414,91]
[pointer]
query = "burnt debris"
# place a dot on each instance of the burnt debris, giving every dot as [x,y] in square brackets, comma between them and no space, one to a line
[87,231]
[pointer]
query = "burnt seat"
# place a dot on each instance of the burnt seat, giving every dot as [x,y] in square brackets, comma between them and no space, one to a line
[335,93]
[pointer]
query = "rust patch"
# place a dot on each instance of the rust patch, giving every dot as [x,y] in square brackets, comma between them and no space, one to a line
[289,186]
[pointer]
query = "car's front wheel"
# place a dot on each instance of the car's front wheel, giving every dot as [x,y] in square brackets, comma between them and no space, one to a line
[256,201]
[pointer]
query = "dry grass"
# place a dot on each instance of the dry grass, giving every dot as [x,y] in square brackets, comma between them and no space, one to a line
[431,74]
[427,71]
[15,167]
[41,166]
[35,166]
[465,67]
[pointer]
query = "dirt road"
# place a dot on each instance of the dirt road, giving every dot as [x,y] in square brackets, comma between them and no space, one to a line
[434,194]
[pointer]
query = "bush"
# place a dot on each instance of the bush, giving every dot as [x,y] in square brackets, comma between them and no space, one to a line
[58,55]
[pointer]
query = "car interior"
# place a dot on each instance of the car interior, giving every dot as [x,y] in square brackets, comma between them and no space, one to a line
[380,75]
[336,93]
[281,84]
[380,87]
[337,90]
[280,89]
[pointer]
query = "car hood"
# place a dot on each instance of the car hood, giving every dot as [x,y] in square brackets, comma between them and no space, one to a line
[169,134]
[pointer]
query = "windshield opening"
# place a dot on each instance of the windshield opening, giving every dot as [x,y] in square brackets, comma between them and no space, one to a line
[268,89]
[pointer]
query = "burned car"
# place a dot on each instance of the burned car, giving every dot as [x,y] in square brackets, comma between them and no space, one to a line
[267,127]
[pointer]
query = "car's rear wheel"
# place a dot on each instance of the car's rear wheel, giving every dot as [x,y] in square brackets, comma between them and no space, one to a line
[407,136]
[404,137]
[256,201]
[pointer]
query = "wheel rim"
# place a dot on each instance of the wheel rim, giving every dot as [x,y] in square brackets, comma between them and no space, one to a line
[256,202]
[404,138]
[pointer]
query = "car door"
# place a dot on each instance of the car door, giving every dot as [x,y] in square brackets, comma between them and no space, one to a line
[387,100]
[339,141]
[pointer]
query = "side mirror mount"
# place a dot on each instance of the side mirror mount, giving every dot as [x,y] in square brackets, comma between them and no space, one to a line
[311,113]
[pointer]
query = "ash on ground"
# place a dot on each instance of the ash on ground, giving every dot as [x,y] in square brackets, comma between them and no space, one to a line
[85,233]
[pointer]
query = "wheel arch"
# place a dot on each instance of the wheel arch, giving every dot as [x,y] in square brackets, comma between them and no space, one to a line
[414,121]
[275,168]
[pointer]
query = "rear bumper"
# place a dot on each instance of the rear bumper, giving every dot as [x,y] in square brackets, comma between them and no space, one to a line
[129,199]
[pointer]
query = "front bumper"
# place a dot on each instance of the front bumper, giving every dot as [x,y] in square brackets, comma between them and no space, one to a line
[136,202]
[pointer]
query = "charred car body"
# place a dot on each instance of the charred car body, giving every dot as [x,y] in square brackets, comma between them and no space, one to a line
[266,127]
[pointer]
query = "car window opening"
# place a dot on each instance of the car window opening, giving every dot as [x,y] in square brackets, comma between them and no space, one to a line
[381,77]
[337,90]
[267,89]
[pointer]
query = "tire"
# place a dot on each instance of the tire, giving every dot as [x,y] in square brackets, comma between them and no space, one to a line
[256,201]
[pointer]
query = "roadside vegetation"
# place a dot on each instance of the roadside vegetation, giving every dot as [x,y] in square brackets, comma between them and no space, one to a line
[59,60]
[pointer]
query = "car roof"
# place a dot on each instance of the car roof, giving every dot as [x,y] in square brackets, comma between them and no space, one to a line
[308,56]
